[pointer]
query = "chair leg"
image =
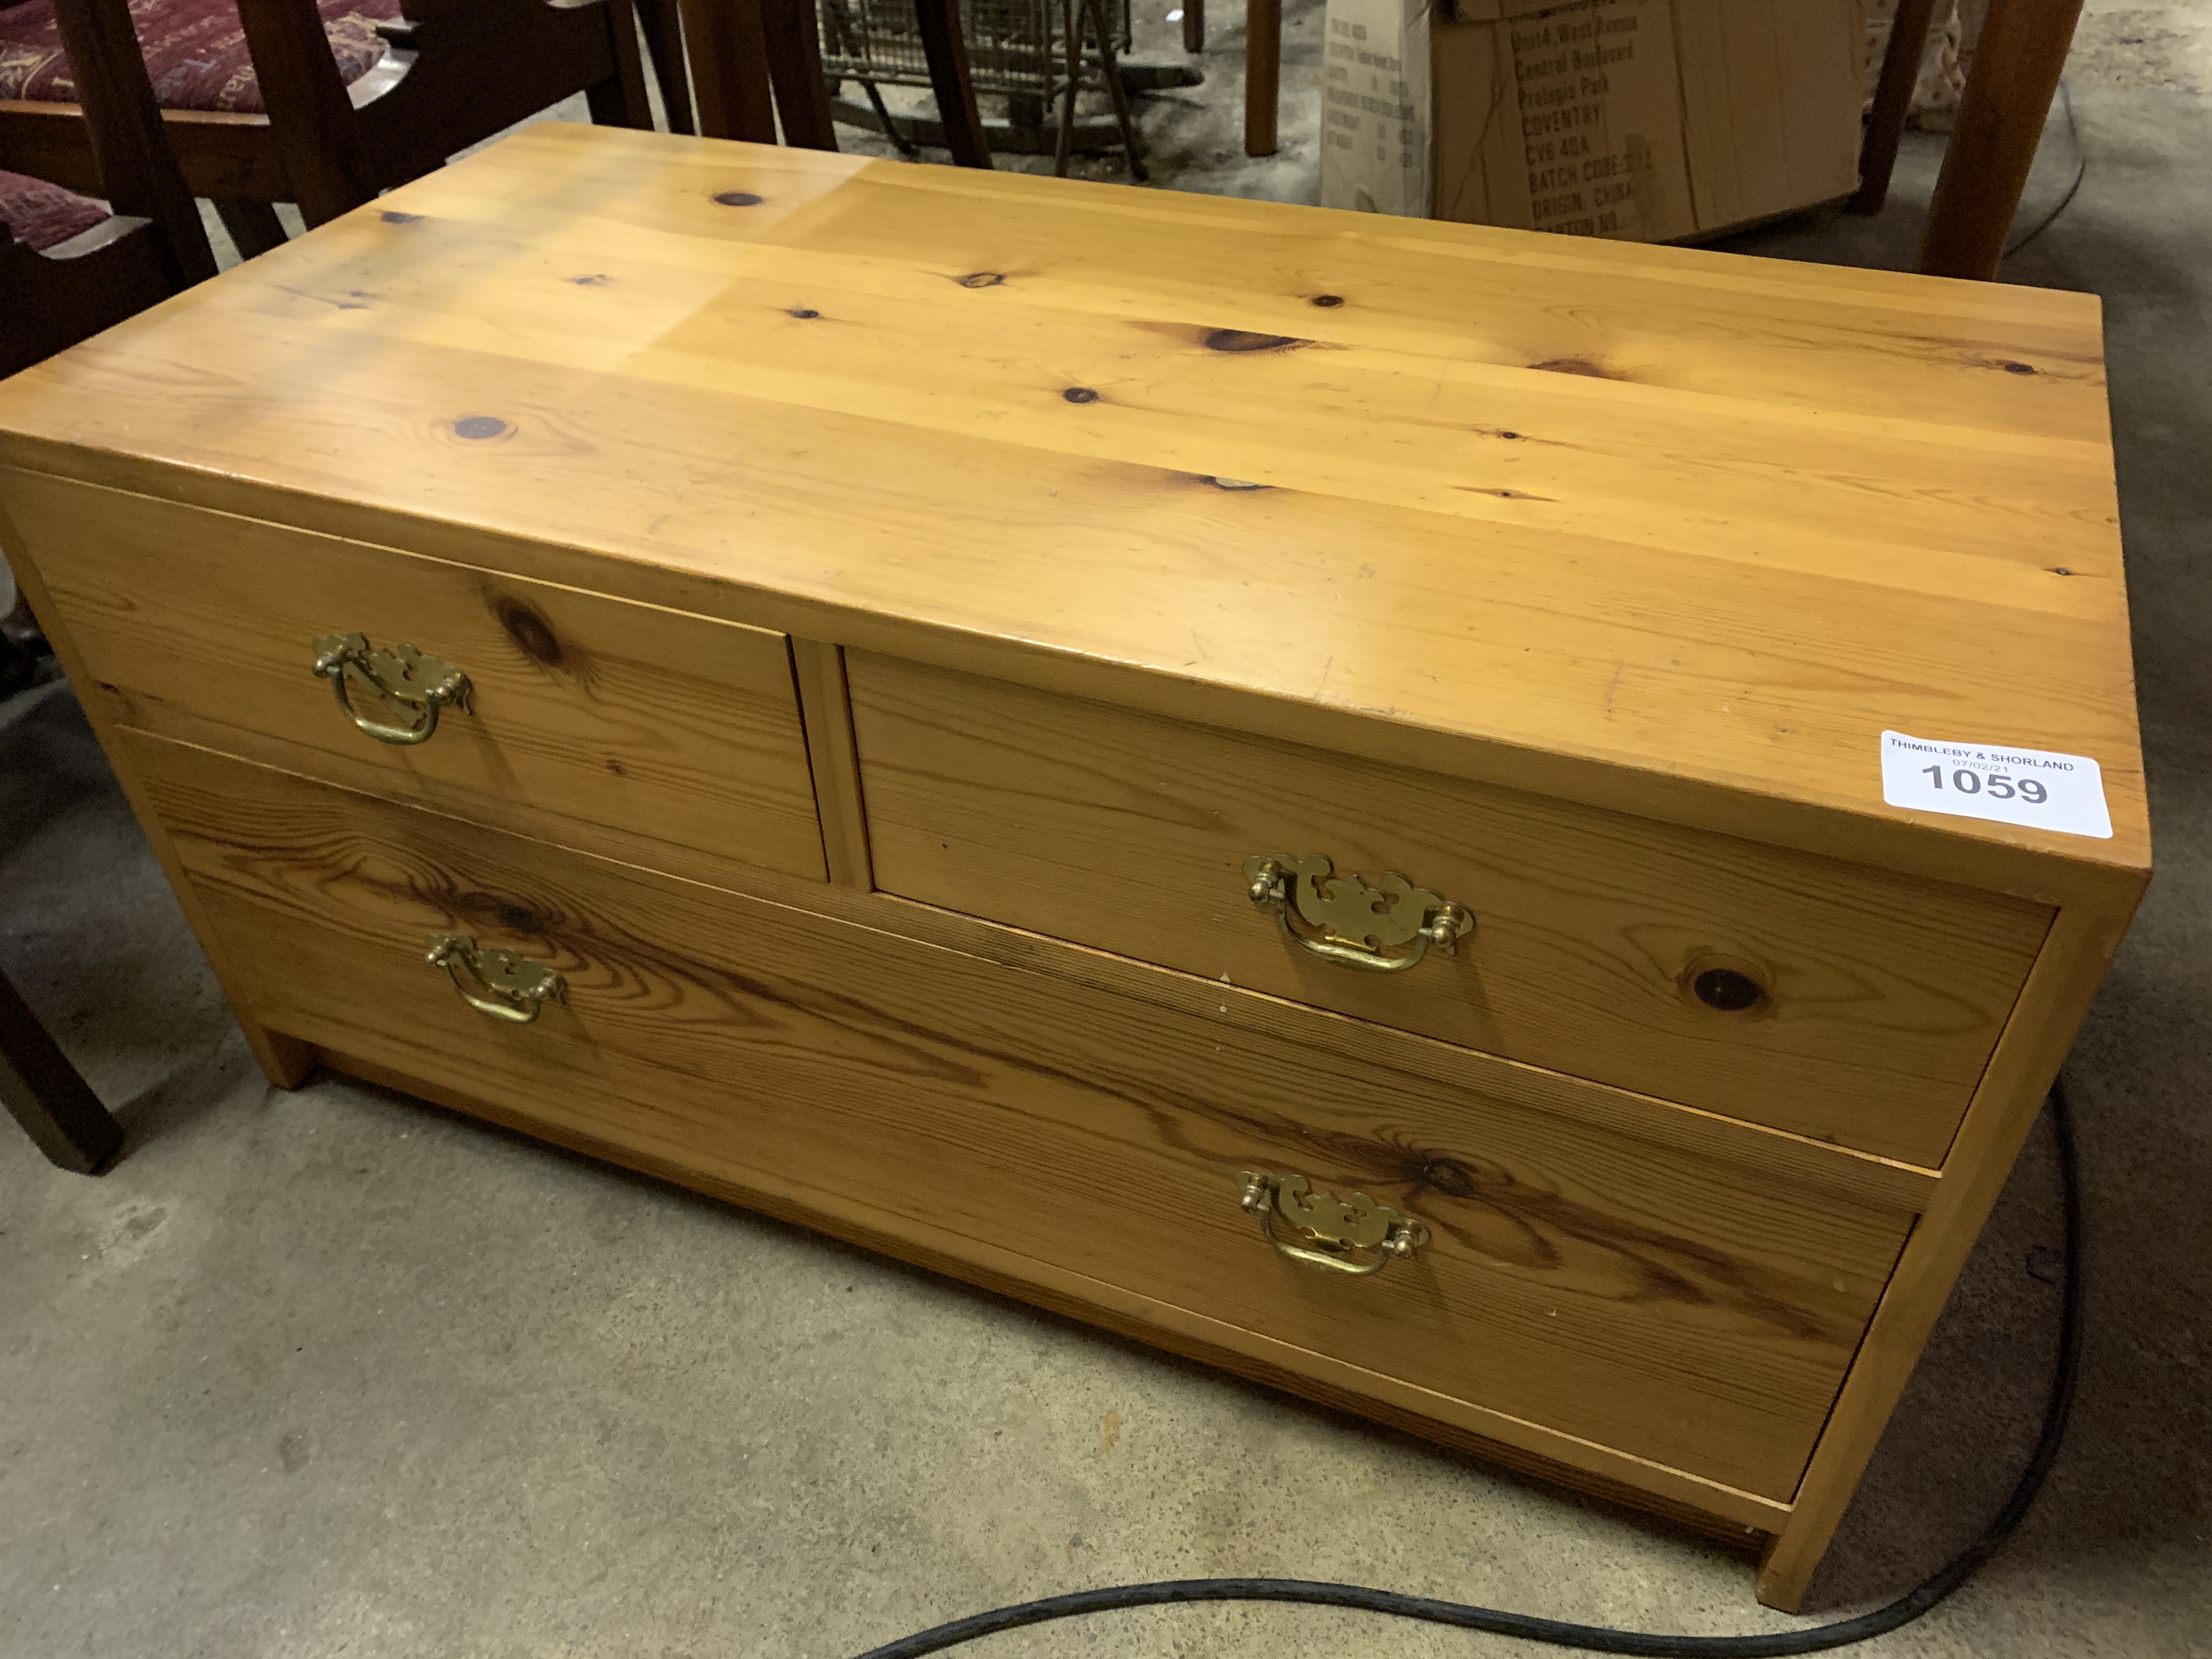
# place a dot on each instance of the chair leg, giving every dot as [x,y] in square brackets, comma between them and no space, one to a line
[45,1093]
[938,22]
[620,100]
[1263,74]
[727,45]
[1132,151]
[1193,26]
[253,226]
[664,39]
[795,70]
[2017,65]
[1892,103]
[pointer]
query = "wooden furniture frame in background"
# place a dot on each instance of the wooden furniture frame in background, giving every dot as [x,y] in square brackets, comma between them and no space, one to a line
[1263,73]
[757,63]
[461,71]
[152,248]
[2017,63]
[47,1095]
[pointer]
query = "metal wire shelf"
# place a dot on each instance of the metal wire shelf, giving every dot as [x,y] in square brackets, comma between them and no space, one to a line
[1025,52]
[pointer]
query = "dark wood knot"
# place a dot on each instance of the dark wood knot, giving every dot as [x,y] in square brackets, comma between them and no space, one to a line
[480,427]
[1727,989]
[1080,394]
[529,631]
[1239,339]
[1595,371]
[1327,300]
[737,199]
[981,279]
[1452,1180]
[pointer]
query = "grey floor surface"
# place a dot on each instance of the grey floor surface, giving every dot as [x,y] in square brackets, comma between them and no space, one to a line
[335,1372]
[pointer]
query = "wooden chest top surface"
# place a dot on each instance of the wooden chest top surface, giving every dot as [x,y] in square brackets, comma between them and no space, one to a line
[1711,521]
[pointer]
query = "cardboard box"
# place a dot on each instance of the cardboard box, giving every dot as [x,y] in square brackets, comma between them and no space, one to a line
[1643,119]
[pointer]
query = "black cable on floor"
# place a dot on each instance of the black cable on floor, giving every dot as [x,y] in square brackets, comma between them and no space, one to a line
[1597,1639]
[2081,172]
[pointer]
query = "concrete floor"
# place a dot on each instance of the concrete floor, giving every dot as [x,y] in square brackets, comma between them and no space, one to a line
[336,1372]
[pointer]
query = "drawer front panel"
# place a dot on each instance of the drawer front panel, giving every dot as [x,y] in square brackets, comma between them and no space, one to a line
[1694,1312]
[1878,998]
[585,714]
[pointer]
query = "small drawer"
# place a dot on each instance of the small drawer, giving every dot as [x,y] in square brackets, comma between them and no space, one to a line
[1837,1001]
[1598,1271]
[624,727]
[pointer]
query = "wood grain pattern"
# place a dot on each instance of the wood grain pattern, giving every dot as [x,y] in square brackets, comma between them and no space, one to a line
[1582,577]
[1593,1286]
[2005,1108]
[284,1060]
[825,704]
[1736,1520]
[674,728]
[1129,833]
[1731,518]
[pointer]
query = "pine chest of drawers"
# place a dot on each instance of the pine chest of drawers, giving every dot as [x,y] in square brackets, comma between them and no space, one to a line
[1311,787]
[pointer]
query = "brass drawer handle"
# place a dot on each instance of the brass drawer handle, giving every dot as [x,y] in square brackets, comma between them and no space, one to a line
[399,673]
[1359,923]
[1338,1226]
[494,980]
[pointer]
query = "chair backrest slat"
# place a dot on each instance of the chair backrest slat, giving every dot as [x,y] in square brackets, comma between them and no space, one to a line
[139,171]
[753,60]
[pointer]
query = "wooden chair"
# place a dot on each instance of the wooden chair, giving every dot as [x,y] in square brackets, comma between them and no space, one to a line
[324,102]
[1263,71]
[47,1095]
[755,61]
[1263,66]
[662,21]
[68,265]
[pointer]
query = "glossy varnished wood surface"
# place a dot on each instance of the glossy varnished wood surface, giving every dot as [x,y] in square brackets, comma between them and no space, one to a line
[1129,832]
[1671,531]
[1583,1286]
[590,717]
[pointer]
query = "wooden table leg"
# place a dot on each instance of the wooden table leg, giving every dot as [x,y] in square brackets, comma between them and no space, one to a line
[1263,73]
[45,1093]
[2007,99]
[1892,103]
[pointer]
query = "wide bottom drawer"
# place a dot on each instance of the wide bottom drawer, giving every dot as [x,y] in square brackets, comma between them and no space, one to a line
[1582,1286]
